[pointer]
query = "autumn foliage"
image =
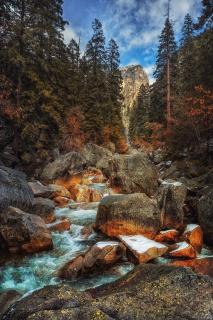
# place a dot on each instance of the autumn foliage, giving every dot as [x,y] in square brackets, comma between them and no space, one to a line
[73,136]
[193,123]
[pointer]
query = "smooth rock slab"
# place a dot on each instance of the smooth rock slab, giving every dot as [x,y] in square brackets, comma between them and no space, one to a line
[142,248]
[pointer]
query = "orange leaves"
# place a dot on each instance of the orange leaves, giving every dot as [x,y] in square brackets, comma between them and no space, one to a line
[73,137]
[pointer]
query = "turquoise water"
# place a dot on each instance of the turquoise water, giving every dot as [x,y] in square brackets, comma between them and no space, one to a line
[38,270]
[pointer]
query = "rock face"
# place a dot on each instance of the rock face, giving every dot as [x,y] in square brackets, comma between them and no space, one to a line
[171,198]
[71,162]
[128,215]
[14,190]
[101,255]
[43,208]
[133,77]
[74,162]
[133,173]
[23,232]
[149,292]
[142,248]
[96,155]
[205,215]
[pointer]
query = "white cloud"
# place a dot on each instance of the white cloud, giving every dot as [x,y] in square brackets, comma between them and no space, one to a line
[69,34]
[137,23]
[130,4]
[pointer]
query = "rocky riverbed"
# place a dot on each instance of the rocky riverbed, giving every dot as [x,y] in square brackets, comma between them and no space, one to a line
[94,217]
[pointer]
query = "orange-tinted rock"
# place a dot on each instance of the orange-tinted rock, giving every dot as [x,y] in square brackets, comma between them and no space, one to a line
[194,235]
[70,181]
[183,250]
[143,248]
[58,190]
[97,258]
[62,225]
[131,214]
[23,232]
[167,236]
[83,193]
[61,201]
[200,265]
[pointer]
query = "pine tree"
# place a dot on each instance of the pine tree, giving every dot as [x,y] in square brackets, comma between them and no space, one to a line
[35,60]
[204,45]
[113,118]
[206,19]
[187,59]
[95,93]
[75,79]
[167,49]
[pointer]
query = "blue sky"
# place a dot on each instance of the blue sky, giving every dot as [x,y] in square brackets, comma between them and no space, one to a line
[134,24]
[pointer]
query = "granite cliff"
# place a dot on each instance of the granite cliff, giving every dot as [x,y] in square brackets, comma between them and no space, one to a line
[133,77]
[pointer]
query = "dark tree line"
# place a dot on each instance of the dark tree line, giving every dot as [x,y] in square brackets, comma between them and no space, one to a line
[43,80]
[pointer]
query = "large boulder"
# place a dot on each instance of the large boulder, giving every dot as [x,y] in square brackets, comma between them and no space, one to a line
[128,215]
[133,173]
[71,163]
[149,292]
[43,208]
[171,197]
[23,232]
[96,155]
[74,162]
[205,214]
[100,256]
[14,190]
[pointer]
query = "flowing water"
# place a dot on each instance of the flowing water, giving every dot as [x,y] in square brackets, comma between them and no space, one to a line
[28,273]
